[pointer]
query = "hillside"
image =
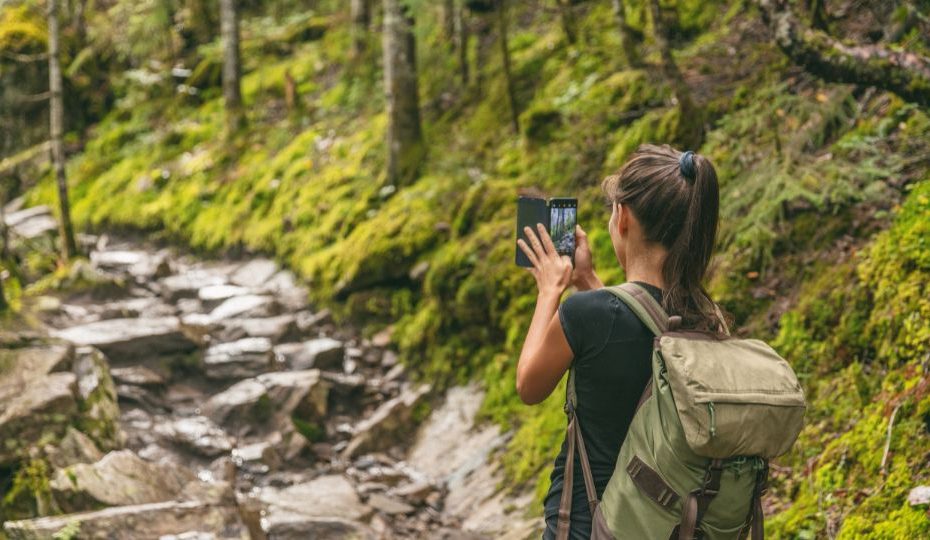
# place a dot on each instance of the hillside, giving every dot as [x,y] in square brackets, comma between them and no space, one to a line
[825,210]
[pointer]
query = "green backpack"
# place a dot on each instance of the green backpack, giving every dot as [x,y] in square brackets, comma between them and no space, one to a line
[694,463]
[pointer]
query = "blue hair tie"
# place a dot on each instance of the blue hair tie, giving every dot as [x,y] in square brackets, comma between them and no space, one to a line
[686,165]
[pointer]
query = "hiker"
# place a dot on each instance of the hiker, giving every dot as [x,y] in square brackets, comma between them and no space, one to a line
[663,223]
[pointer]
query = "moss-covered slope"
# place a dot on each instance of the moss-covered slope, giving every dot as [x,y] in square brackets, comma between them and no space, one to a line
[811,175]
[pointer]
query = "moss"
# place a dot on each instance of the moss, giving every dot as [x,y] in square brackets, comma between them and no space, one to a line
[30,493]
[311,431]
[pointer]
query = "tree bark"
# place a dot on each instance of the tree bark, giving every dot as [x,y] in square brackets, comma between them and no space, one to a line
[361,19]
[567,16]
[691,123]
[56,127]
[232,67]
[903,73]
[627,44]
[448,22]
[404,136]
[505,57]
[461,41]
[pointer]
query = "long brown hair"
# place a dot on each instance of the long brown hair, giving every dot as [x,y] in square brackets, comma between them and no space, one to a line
[675,197]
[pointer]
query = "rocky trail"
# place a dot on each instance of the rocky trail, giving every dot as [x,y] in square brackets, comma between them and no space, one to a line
[185,398]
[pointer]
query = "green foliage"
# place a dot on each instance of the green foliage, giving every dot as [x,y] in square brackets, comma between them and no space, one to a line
[809,172]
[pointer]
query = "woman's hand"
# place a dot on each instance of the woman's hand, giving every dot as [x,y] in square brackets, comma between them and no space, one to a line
[552,271]
[583,276]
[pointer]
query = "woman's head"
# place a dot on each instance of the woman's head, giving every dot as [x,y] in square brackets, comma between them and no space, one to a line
[674,201]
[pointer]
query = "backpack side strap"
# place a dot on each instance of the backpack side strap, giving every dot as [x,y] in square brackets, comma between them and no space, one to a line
[697,502]
[755,522]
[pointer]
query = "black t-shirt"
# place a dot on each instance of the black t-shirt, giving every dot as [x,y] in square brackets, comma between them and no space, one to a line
[613,362]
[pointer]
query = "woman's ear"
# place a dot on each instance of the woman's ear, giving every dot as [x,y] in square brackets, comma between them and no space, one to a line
[623,219]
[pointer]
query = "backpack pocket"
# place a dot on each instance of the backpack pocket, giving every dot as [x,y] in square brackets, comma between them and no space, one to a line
[734,397]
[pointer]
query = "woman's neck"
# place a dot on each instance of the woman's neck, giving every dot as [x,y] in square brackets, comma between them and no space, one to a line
[646,265]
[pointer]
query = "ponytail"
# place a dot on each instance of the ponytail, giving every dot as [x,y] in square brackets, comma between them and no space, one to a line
[676,199]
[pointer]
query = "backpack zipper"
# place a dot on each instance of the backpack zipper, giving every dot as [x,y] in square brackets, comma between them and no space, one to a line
[713,419]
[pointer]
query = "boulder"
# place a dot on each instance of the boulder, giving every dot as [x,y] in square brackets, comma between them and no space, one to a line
[120,478]
[21,365]
[99,416]
[131,339]
[75,447]
[42,409]
[246,357]
[325,507]
[319,353]
[270,399]
[387,425]
[197,433]
[125,522]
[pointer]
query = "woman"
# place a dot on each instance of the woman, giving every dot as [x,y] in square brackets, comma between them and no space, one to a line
[663,223]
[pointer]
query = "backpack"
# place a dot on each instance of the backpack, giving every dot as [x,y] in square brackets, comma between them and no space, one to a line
[694,463]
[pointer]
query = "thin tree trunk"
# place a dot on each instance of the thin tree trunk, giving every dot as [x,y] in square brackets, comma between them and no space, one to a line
[404,136]
[448,22]
[906,74]
[505,56]
[627,45]
[56,127]
[232,92]
[567,16]
[461,41]
[818,15]
[691,123]
[361,19]
[4,248]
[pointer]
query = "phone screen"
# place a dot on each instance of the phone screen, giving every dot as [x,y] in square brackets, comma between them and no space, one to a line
[562,219]
[530,211]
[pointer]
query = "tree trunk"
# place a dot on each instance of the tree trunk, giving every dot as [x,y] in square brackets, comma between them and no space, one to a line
[627,44]
[505,56]
[56,127]
[448,22]
[404,136]
[567,16]
[232,92]
[461,41]
[4,249]
[906,74]
[361,19]
[818,16]
[691,123]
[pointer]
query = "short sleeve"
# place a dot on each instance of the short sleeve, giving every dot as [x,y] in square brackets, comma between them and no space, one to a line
[587,319]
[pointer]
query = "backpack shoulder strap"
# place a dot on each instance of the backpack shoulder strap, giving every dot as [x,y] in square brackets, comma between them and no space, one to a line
[643,305]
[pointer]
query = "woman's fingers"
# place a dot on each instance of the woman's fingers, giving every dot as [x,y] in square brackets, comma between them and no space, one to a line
[546,239]
[530,254]
[534,241]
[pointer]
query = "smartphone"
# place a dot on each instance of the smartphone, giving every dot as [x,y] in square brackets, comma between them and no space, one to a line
[558,215]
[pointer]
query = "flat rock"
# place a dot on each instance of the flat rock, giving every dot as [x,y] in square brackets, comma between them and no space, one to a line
[137,376]
[239,359]
[131,339]
[277,329]
[319,353]
[197,433]
[214,295]
[325,505]
[188,284]
[125,522]
[259,457]
[390,422]
[388,505]
[255,273]
[919,496]
[32,222]
[248,305]
[120,478]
